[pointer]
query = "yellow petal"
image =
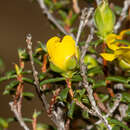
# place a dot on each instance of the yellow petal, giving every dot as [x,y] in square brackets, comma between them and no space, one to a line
[110,42]
[123,32]
[108,57]
[60,52]
[123,53]
[51,45]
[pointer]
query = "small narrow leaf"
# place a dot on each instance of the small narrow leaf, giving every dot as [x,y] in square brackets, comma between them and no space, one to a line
[63,94]
[117,79]
[71,108]
[3,123]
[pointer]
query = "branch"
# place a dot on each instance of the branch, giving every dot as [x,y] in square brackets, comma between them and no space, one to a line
[98,2]
[83,21]
[52,18]
[19,118]
[56,117]
[76,6]
[89,87]
[122,16]
[111,111]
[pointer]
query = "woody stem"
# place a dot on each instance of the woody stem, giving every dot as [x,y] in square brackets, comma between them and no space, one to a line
[70,88]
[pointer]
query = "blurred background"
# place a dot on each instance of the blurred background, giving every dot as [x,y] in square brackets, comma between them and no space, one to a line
[18,18]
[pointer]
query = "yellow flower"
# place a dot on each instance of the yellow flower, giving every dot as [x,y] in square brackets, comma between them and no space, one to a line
[120,51]
[61,51]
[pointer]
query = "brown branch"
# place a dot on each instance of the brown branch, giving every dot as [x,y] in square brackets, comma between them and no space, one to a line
[53,101]
[34,123]
[70,88]
[67,125]
[99,103]
[44,63]
[76,6]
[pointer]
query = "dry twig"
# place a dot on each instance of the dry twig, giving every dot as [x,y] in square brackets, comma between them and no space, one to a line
[83,21]
[110,112]
[56,117]
[19,118]
[122,16]
[83,70]
[76,6]
[52,18]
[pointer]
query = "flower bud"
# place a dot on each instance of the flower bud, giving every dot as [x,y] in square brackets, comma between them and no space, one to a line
[104,19]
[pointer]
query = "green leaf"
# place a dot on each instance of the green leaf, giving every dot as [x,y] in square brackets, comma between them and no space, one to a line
[63,94]
[117,9]
[41,76]
[10,86]
[122,42]
[3,123]
[71,108]
[10,73]
[100,83]
[116,127]
[73,18]
[7,78]
[127,118]
[118,123]
[94,70]
[125,97]
[52,80]
[43,127]
[37,61]
[55,68]
[85,100]
[28,94]
[128,32]
[23,54]
[43,46]
[27,80]
[63,14]
[96,43]
[117,79]
[81,92]
[26,72]
[36,114]
[1,64]
[85,114]
[27,119]
[104,97]
[71,63]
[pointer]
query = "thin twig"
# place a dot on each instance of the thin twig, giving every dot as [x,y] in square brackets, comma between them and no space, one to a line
[111,111]
[67,125]
[98,2]
[52,18]
[35,73]
[89,87]
[19,118]
[99,103]
[81,105]
[76,6]
[56,117]
[83,21]
[122,16]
